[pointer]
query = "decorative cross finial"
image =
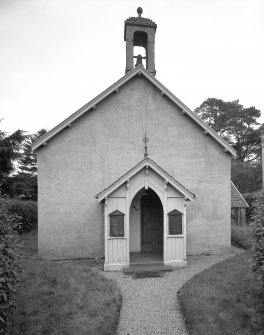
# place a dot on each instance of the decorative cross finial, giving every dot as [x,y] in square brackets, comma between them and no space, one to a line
[139,11]
[145,140]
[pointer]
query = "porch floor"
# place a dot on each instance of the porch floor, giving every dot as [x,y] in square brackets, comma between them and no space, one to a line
[146,257]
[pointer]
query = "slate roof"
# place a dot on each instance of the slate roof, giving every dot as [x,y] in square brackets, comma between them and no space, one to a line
[142,72]
[237,200]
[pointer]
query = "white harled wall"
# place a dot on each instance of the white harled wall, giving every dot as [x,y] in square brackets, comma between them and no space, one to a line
[105,143]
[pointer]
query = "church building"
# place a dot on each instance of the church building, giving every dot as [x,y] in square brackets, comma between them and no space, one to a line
[134,176]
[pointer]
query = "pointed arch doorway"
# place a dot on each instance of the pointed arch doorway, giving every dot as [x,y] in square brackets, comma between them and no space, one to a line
[146,228]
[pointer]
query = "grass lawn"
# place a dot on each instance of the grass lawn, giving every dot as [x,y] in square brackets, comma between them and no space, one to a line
[224,299]
[63,297]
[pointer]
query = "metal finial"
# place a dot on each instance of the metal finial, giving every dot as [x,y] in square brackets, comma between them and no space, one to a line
[145,140]
[139,11]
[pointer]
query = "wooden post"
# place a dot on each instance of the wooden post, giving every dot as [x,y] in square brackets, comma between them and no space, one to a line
[184,230]
[106,231]
[127,223]
[165,224]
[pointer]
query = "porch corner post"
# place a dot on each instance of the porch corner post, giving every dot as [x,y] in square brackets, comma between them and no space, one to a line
[184,229]
[127,222]
[165,222]
[106,231]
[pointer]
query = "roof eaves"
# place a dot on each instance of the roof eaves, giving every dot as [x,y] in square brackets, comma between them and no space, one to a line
[91,104]
[189,112]
[138,70]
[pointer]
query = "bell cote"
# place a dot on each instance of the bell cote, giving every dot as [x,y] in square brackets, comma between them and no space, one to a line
[140,42]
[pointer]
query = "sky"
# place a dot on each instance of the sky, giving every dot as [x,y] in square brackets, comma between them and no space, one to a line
[57,55]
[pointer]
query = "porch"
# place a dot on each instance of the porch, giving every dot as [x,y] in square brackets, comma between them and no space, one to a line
[145,219]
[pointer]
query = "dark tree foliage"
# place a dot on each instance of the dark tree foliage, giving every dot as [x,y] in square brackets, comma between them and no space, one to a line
[10,146]
[23,184]
[246,176]
[18,148]
[235,123]
[28,160]
[27,212]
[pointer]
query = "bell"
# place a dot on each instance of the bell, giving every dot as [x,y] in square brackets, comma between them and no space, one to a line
[139,61]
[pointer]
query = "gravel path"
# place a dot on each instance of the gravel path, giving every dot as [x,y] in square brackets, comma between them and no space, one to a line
[150,305]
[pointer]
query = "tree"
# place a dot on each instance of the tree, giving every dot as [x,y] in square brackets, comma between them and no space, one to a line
[235,123]
[17,148]
[246,176]
[28,160]
[9,151]
[24,182]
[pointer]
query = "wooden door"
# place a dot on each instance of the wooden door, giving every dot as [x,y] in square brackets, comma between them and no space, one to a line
[151,222]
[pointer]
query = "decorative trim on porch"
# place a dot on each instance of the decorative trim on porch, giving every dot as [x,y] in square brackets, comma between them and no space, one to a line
[147,162]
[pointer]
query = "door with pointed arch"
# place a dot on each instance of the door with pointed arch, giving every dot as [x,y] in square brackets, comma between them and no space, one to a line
[151,222]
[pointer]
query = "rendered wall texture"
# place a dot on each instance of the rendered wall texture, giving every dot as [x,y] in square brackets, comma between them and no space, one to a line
[104,144]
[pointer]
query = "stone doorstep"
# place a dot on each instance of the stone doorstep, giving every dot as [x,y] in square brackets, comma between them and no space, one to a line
[137,268]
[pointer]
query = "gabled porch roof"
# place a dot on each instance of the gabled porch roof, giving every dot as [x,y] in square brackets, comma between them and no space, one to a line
[146,162]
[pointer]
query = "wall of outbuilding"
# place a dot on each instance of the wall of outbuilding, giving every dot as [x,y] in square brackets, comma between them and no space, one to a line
[104,144]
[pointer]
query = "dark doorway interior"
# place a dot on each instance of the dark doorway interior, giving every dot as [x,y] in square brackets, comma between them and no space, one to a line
[151,222]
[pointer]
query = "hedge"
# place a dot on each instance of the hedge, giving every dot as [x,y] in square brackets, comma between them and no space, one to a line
[27,211]
[9,263]
[250,198]
[257,225]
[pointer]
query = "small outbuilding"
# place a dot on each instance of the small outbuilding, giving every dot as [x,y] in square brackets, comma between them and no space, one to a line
[238,207]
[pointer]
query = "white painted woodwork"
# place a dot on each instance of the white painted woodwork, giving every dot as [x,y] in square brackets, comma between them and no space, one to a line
[139,181]
[175,248]
[106,229]
[114,204]
[117,250]
[172,192]
[119,192]
[126,199]
[175,244]
[175,203]
[165,221]
[127,219]
[184,230]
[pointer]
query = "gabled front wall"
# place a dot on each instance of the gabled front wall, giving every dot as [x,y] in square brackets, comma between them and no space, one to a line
[104,144]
